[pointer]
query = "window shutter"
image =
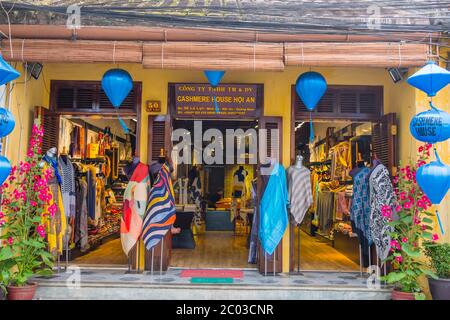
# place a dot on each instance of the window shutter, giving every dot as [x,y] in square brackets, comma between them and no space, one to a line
[384,141]
[50,123]
[344,102]
[159,136]
[88,96]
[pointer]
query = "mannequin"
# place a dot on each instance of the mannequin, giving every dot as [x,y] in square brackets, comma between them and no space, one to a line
[299,189]
[67,173]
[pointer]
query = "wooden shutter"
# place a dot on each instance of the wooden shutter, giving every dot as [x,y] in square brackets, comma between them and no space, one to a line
[343,102]
[50,123]
[89,97]
[384,141]
[270,123]
[159,136]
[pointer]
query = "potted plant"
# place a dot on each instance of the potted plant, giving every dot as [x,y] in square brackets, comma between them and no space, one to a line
[411,223]
[25,211]
[439,255]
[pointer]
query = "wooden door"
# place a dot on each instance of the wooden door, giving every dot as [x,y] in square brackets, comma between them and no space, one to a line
[270,263]
[50,122]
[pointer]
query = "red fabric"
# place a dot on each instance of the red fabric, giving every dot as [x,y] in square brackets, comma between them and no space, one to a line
[206,273]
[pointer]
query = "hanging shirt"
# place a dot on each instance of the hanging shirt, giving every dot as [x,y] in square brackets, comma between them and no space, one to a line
[360,208]
[67,186]
[273,210]
[381,194]
[300,192]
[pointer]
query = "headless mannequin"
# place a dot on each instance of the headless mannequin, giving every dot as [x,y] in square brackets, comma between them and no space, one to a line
[299,162]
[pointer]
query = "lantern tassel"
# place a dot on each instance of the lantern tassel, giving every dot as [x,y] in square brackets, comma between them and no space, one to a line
[123,125]
[216,105]
[440,223]
[311,129]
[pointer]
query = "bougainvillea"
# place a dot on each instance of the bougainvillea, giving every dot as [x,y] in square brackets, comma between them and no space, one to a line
[25,208]
[412,223]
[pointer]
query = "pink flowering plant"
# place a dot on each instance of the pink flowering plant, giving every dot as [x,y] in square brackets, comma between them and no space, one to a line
[412,225]
[25,206]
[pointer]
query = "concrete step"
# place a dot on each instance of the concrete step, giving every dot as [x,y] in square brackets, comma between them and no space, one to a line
[117,285]
[111,291]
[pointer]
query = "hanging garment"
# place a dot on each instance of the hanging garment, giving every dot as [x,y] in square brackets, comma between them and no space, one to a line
[67,186]
[273,210]
[160,214]
[56,226]
[81,220]
[341,161]
[342,206]
[300,192]
[360,209]
[325,209]
[381,194]
[134,206]
[91,196]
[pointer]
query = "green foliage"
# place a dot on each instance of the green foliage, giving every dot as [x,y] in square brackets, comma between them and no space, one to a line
[439,255]
[411,225]
[24,252]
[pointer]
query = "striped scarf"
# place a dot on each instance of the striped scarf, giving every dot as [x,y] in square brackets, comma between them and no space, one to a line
[160,214]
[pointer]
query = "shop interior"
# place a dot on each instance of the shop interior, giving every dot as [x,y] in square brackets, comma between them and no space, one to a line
[214,206]
[98,149]
[325,239]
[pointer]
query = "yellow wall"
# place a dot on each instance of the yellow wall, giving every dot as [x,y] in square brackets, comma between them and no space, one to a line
[399,98]
[24,97]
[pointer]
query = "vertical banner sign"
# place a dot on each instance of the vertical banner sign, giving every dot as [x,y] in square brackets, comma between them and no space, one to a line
[235,100]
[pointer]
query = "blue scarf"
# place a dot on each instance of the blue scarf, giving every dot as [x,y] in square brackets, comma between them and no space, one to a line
[54,164]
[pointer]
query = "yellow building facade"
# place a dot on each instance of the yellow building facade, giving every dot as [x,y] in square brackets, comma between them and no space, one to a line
[24,94]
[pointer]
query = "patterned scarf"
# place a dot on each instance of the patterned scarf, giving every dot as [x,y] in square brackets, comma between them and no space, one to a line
[160,214]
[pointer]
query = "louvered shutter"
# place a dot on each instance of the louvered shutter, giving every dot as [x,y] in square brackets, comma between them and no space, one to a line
[271,123]
[343,102]
[50,123]
[159,136]
[88,97]
[384,141]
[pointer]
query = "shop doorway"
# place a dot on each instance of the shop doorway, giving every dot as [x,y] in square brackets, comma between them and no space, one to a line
[214,201]
[326,238]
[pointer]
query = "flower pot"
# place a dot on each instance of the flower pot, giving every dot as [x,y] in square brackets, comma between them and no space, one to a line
[439,288]
[399,295]
[22,293]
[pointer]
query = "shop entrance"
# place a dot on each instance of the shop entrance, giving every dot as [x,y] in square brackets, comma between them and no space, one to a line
[215,205]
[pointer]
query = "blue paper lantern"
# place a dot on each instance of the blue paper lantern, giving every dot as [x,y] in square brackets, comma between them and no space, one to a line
[7,122]
[310,87]
[434,180]
[430,79]
[7,73]
[117,84]
[214,76]
[5,169]
[431,126]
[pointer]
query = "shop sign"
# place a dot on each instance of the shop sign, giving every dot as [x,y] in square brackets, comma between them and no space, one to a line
[153,106]
[196,101]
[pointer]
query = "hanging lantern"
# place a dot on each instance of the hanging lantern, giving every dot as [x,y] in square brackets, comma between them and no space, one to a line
[434,179]
[430,79]
[7,73]
[117,84]
[5,169]
[214,77]
[310,87]
[431,126]
[7,122]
